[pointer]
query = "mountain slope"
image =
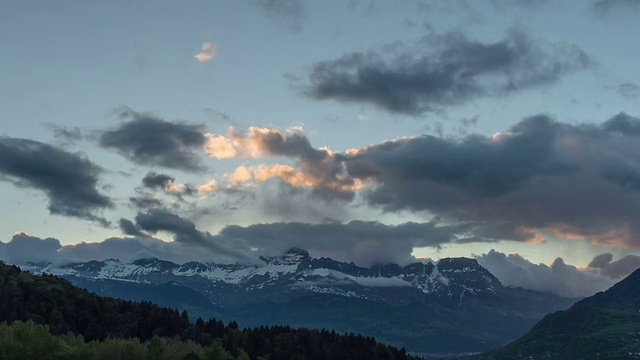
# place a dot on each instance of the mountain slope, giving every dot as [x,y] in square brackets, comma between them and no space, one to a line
[603,326]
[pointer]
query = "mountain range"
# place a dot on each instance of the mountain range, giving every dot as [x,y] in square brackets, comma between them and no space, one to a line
[452,306]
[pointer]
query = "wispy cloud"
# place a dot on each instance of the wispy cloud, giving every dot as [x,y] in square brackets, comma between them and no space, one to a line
[208,51]
[290,13]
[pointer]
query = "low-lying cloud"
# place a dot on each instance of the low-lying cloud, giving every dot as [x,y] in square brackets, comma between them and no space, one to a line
[558,278]
[512,270]
[617,269]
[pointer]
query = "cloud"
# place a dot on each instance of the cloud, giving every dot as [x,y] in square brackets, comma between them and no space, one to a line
[607,7]
[149,140]
[615,269]
[574,181]
[290,13]
[133,248]
[69,180]
[537,179]
[629,91]
[623,124]
[260,142]
[67,135]
[208,51]
[23,248]
[315,168]
[359,244]
[184,231]
[129,228]
[156,220]
[145,201]
[153,180]
[558,278]
[442,71]
[364,242]
[208,187]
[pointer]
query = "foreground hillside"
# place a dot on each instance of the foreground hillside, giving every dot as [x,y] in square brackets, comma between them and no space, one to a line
[452,306]
[66,309]
[604,326]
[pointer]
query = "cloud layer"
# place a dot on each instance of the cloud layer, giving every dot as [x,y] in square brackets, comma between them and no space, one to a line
[442,71]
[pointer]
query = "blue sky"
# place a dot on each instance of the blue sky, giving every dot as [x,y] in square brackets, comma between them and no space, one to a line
[432,128]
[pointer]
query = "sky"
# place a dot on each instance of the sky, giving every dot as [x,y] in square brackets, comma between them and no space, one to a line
[366,131]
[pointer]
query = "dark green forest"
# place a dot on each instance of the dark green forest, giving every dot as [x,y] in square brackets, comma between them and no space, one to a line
[46,317]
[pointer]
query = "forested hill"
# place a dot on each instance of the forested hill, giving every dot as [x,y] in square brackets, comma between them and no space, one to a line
[603,326]
[64,308]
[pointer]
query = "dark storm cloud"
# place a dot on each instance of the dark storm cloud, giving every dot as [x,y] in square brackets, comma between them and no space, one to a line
[69,180]
[558,278]
[442,71]
[149,140]
[615,269]
[365,242]
[542,175]
[476,165]
[290,13]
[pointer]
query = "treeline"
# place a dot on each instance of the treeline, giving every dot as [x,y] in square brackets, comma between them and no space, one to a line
[93,325]
[31,341]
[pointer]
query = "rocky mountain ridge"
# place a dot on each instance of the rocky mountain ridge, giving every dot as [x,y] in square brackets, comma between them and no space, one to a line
[452,306]
[295,274]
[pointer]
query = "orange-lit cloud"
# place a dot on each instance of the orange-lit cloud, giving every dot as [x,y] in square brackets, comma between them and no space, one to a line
[621,237]
[209,187]
[257,142]
[207,53]
[248,176]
